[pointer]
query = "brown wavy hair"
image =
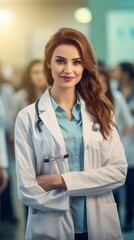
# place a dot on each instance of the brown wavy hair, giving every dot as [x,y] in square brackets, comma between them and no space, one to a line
[89,86]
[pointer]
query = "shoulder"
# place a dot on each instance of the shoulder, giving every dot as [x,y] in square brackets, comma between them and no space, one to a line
[27,114]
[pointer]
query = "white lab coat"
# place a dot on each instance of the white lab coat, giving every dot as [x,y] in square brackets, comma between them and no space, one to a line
[105,168]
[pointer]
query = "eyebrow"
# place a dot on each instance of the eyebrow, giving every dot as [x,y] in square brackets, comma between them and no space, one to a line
[65,58]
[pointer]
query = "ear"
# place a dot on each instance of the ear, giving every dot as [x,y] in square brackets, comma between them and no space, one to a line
[49,65]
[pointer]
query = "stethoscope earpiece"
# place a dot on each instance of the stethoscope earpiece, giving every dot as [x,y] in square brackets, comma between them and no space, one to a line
[52,159]
[96,127]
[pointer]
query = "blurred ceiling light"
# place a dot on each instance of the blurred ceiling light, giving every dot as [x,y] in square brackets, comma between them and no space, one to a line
[6,16]
[83,15]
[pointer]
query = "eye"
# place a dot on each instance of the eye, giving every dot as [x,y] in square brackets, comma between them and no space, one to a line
[60,61]
[77,62]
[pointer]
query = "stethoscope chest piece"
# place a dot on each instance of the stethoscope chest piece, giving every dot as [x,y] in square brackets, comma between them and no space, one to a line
[96,127]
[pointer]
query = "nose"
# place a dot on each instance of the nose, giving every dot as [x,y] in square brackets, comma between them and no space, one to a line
[68,68]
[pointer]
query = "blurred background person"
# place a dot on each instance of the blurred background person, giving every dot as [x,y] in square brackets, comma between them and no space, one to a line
[3,151]
[3,156]
[124,119]
[6,92]
[124,74]
[125,126]
[33,84]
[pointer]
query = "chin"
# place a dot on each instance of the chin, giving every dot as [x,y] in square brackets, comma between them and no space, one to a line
[68,85]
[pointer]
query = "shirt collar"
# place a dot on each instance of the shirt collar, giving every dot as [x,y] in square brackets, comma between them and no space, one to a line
[56,105]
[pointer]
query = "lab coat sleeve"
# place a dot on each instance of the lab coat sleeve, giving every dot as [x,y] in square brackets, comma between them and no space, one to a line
[100,180]
[29,192]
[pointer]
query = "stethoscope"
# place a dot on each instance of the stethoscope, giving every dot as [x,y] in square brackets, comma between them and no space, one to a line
[38,126]
[95,128]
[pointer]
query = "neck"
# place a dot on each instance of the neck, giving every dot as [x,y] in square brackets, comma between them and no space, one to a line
[66,98]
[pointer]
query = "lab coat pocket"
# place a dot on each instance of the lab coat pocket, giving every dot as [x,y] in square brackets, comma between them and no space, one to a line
[110,222]
[42,225]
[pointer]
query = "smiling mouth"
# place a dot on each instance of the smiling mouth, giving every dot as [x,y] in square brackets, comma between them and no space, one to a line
[67,78]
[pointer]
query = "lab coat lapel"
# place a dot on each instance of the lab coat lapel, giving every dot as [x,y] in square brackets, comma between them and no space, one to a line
[87,121]
[48,117]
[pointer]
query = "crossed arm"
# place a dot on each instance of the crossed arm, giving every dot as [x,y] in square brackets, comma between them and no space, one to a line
[51,182]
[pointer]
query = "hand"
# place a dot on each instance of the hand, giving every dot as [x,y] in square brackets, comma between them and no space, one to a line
[50,182]
[3,179]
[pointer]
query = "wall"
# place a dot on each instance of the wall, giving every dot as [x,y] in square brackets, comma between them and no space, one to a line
[99,10]
[35,21]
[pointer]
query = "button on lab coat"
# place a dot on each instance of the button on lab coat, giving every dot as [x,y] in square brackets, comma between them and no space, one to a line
[105,169]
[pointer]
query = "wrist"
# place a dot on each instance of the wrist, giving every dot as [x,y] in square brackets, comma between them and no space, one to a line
[59,183]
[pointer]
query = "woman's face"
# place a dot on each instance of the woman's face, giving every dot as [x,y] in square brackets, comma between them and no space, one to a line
[66,66]
[117,73]
[37,75]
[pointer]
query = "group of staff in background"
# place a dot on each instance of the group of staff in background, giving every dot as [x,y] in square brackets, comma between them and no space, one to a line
[32,85]
[118,86]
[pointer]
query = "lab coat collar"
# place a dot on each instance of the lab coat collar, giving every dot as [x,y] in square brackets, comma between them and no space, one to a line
[45,101]
[48,117]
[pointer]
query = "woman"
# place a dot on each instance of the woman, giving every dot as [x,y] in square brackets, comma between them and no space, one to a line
[124,74]
[6,92]
[66,167]
[32,87]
